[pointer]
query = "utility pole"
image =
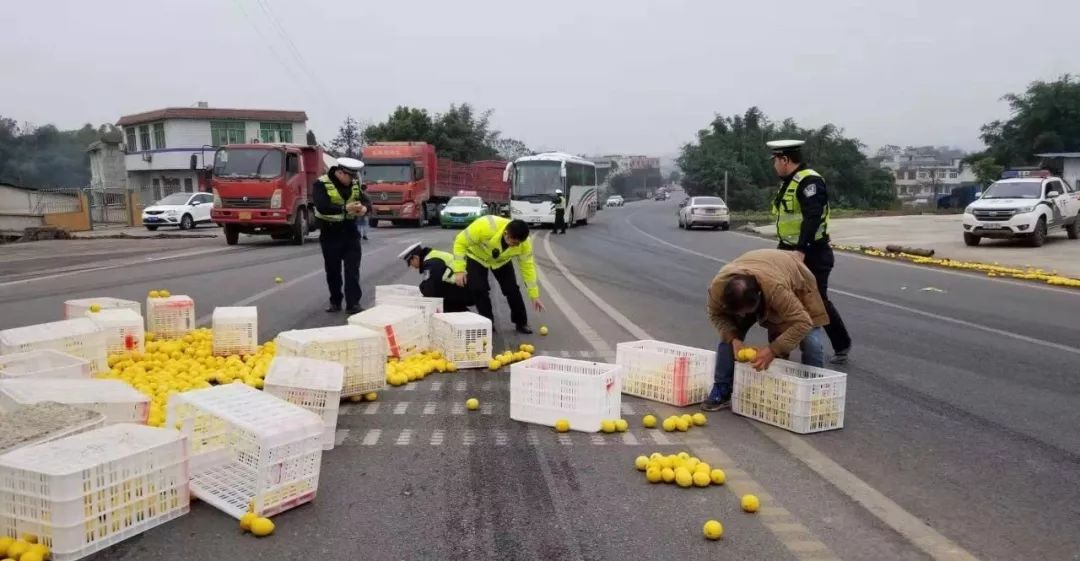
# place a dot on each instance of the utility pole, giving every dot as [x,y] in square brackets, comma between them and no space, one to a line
[725,189]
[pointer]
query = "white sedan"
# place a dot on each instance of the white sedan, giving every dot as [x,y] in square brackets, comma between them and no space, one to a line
[704,211]
[183,210]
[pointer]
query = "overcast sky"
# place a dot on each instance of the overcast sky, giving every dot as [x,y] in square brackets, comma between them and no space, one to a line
[596,76]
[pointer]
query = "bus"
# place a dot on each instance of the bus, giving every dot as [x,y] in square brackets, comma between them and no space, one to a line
[534,179]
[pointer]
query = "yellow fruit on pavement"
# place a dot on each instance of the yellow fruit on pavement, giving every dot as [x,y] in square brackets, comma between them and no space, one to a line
[371,396]
[701,479]
[717,476]
[681,425]
[702,466]
[40,549]
[683,478]
[692,464]
[713,530]
[246,520]
[688,418]
[641,463]
[667,462]
[750,503]
[669,424]
[472,404]
[653,475]
[32,555]
[621,425]
[543,330]
[356,398]
[648,421]
[562,425]
[279,280]
[17,549]
[261,527]
[656,456]
[684,455]
[5,543]
[607,426]
[699,419]
[494,364]
[668,475]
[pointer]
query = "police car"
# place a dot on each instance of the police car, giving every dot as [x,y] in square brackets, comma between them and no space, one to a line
[1023,204]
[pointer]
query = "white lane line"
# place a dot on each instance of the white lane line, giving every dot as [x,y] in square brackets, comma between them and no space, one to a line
[340,435]
[430,407]
[597,439]
[564,439]
[487,408]
[371,438]
[436,386]
[915,311]
[371,409]
[405,438]
[129,263]
[469,438]
[531,437]
[458,409]
[922,536]
[588,333]
[659,437]
[460,386]
[501,438]
[629,439]
[628,409]
[437,437]
[401,408]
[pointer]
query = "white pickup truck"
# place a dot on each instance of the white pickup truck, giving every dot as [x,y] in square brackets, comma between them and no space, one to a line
[1023,204]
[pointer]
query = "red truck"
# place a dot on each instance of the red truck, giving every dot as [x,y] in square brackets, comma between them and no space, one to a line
[407,183]
[265,189]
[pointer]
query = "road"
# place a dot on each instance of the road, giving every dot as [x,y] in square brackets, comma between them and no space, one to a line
[960,438]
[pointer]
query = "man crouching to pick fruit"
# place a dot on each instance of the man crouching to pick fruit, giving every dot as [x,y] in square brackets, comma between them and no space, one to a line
[771,287]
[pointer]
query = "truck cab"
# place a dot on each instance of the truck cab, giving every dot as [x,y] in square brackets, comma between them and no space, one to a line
[398,176]
[1023,204]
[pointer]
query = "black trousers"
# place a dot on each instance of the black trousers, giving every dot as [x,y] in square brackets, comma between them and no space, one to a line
[560,220]
[341,252]
[820,261]
[477,283]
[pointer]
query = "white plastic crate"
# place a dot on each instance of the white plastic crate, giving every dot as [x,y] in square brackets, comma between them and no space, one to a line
[248,447]
[78,308]
[44,363]
[802,399]
[86,492]
[665,372]
[428,307]
[463,338]
[360,350]
[236,330]
[123,328]
[544,389]
[404,329]
[116,400]
[384,290]
[44,422]
[80,337]
[170,318]
[312,384]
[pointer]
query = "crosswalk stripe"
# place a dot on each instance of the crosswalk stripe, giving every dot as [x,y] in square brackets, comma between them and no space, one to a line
[469,438]
[372,437]
[430,407]
[628,409]
[436,386]
[598,439]
[340,435]
[629,439]
[565,440]
[372,408]
[487,408]
[458,409]
[411,387]
[660,438]
[401,408]
[531,437]
[501,438]
[437,437]
[460,386]
[405,437]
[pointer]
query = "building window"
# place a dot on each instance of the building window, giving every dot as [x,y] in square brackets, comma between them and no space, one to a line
[952,175]
[156,186]
[159,136]
[187,185]
[132,146]
[144,137]
[275,132]
[227,132]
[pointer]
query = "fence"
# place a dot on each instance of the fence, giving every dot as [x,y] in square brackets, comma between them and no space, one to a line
[108,206]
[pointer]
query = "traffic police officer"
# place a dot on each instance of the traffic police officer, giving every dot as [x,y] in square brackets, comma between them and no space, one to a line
[560,212]
[339,201]
[438,276]
[801,207]
[489,244]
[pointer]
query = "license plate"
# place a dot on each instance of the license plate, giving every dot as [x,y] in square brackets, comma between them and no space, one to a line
[988,227]
[710,211]
[152,219]
[245,216]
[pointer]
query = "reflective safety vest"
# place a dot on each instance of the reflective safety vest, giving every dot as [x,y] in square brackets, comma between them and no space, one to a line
[789,211]
[481,241]
[447,259]
[335,198]
[561,203]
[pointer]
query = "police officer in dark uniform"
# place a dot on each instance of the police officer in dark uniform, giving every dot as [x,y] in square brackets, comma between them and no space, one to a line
[438,277]
[560,212]
[339,201]
[801,207]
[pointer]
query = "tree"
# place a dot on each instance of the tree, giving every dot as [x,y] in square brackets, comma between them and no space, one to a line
[510,149]
[987,170]
[1045,118]
[311,141]
[348,141]
[404,124]
[674,177]
[46,156]
[461,134]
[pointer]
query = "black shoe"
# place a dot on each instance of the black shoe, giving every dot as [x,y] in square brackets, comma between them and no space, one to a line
[356,309]
[840,357]
[716,404]
[524,329]
[365,237]
[333,308]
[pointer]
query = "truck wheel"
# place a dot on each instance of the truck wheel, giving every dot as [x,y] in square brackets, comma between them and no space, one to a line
[299,228]
[1073,230]
[232,234]
[572,223]
[1038,237]
[971,239]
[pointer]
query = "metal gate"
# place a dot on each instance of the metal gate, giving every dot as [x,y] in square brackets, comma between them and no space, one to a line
[108,206]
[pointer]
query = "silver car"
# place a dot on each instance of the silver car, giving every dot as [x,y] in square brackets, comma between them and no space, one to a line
[704,211]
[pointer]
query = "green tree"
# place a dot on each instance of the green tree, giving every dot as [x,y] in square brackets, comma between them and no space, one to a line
[1045,118]
[348,141]
[510,148]
[404,124]
[46,156]
[987,170]
[461,133]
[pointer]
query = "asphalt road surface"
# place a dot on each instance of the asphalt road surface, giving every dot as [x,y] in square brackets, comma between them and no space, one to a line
[961,436]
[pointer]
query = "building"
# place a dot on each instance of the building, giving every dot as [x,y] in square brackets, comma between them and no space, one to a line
[1070,168]
[924,173]
[107,169]
[159,144]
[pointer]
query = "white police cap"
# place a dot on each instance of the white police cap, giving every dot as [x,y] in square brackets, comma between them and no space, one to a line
[351,164]
[778,147]
[409,251]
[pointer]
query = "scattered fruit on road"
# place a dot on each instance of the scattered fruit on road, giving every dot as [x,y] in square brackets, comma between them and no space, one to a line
[607,426]
[718,476]
[699,419]
[653,475]
[648,421]
[713,530]
[543,330]
[669,424]
[472,404]
[621,425]
[246,520]
[562,425]
[262,527]
[279,280]
[750,503]
[641,463]
[371,396]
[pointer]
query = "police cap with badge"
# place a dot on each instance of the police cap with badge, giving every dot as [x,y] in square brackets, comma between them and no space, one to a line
[784,147]
[414,250]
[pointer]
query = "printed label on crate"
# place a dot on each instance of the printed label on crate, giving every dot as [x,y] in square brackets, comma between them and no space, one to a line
[391,338]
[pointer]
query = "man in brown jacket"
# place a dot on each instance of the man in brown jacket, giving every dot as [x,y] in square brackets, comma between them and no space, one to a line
[770,287]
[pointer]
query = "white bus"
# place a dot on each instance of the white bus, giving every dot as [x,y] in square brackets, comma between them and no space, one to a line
[534,180]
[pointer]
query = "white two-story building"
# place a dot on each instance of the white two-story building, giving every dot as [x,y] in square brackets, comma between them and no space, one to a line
[159,144]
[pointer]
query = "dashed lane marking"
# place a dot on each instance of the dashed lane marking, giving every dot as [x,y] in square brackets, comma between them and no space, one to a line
[372,437]
[401,407]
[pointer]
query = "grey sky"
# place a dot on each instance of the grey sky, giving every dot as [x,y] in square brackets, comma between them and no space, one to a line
[629,76]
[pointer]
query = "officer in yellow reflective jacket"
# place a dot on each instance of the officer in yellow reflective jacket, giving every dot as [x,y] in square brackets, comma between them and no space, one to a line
[339,201]
[490,243]
[801,208]
[438,276]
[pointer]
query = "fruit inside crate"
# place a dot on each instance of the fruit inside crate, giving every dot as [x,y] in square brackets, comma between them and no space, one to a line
[463,338]
[236,330]
[360,350]
[546,389]
[312,384]
[123,329]
[802,399]
[171,317]
[665,372]
[404,329]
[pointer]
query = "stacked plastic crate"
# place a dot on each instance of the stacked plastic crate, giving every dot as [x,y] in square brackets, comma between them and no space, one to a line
[44,363]
[77,308]
[171,317]
[116,400]
[80,337]
[463,338]
[236,330]
[404,329]
[123,328]
[546,389]
[312,384]
[360,350]
[44,422]
[428,307]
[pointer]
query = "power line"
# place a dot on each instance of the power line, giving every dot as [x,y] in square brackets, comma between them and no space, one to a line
[296,54]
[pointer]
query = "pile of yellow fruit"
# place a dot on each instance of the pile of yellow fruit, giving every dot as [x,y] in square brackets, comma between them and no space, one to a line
[524,352]
[173,366]
[25,548]
[681,423]
[416,367]
[681,469]
[991,269]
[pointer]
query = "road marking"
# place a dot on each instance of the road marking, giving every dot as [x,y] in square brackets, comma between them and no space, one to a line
[405,438]
[128,263]
[501,438]
[429,407]
[372,437]
[401,408]
[340,435]
[627,409]
[597,439]
[437,437]
[469,438]
[872,300]
[660,438]
[436,386]
[922,536]
[565,440]
[487,408]
[629,439]
[371,409]
[411,387]
[460,386]
[457,409]
[531,437]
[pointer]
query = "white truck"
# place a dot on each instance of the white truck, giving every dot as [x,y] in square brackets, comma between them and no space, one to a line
[1023,204]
